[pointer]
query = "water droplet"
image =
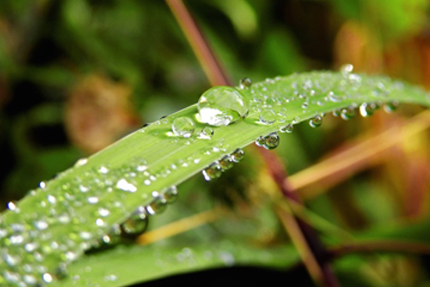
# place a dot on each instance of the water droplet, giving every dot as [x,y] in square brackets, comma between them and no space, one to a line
[111,277]
[316,121]
[81,162]
[267,116]
[47,278]
[271,141]
[136,223]
[221,106]
[171,194]
[391,106]
[183,127]
[12,206]
[347,113]
[260,141]
[41,225]
[206,133]
[333,97]
[42,184]
[287,129]
[92,199]
[238,155]
[213,171]
[226,162]
[367,109]
[103,170]
[126,186]
[103,212]
[346,69]
[305,105]
[245,83]
[158,205]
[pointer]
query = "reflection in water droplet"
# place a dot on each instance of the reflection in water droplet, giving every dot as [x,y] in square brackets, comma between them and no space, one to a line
[183,127]
[347,113]
[287,129]
[267,116]
[238,155]
[271,141]
[367,109]
[245,83]
[260,141]
[158,205]
[221,106]
[206,133]
[136,223]
[171,194]
[316,121]
[391,106]
[226,162]
[213,171]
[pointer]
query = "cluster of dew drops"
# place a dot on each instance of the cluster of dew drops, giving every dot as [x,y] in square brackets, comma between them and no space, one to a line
[22,257]
[27,243]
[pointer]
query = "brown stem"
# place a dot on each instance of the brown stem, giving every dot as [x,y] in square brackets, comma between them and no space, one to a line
[313,253]
[306,240]
[199,44]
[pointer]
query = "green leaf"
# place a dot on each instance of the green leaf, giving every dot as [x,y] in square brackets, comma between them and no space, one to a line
[54,224]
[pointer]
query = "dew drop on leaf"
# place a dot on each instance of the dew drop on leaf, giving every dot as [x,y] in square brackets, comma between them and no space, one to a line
[245,83]
[183,127]
[221,106]
[226,162]
[347,113]
[391,106]
[171,194]
[212,171]
[158,205]
[136,223]
[271,141]
[316,121]
[206,133]
[238,155]
[267,116]
[367,109]
[287,129]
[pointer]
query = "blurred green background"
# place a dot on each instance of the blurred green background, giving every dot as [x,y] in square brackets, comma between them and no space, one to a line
[76,75]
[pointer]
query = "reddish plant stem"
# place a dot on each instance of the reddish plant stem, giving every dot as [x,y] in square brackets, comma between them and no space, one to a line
[316,260]
[211,66]
[324,275]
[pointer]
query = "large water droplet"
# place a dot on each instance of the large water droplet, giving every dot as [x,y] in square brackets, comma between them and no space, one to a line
[267,116]
[271,141]
[213,171]
[316,121]
[183,127]
[221,106]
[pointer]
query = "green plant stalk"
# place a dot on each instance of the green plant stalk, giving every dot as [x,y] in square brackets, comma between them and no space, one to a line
[70,209]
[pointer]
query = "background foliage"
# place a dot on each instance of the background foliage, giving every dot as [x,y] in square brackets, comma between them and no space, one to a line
[76,75]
